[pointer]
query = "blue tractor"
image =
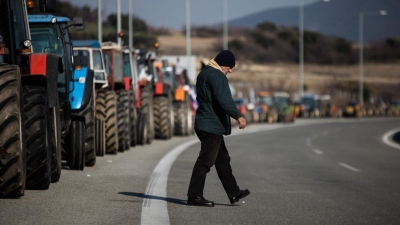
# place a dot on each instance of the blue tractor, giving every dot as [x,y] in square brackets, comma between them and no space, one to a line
[75,118]
[94,59]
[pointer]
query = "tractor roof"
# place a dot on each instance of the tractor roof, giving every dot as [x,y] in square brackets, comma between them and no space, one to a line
[47,19]
[86,43]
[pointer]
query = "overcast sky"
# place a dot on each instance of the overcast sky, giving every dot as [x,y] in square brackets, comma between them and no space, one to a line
[172,13]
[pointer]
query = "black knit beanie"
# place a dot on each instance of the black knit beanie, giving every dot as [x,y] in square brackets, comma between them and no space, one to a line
[225,58]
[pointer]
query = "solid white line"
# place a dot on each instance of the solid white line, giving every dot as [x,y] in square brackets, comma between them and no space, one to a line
[387,141]
[154,208]
[349,167]
[318,152]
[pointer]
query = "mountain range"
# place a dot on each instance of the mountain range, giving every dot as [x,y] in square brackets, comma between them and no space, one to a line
[339,18]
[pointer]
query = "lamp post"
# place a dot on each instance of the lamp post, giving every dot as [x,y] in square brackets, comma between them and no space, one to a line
[361,49]
[130,25]
[99,21]
[188,36]
[301,46]
[225,28]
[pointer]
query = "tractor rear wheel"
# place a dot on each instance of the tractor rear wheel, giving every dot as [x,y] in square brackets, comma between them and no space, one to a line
[162,117]
[106,110]
[179,119]
[55,143]
[90,151]
[142,129]
[146,107]
[76,144]
[133,117]
[12,154]
[123,120]
[100,137]
[38,154]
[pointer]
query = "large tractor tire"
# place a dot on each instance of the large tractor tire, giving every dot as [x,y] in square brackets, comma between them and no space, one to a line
[12,154]
[90,151]
[133,119]
[55,143]
[189,116]
[100,137]
[76,144]
[180,119]
[162,123]
[123,120]
[38,154]
[146,107]
[142,129]
[106,110]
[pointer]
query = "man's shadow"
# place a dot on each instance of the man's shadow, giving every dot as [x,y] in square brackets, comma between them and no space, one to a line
[141,195]
[171,200]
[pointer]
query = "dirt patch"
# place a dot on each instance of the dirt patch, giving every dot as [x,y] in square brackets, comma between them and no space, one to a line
[318,79]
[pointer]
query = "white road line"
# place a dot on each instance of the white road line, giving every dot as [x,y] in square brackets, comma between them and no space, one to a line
[318,152]
[154,208]
[387,141]
[349,167]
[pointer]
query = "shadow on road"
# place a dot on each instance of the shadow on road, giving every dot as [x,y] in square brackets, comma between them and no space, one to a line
[171,200]
[141,195]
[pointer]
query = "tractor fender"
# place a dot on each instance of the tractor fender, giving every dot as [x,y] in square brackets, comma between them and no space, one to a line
[81,87]
[161,89]
[44,69]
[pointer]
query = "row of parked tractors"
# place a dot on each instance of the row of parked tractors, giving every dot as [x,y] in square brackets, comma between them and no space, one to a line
[278,106]
[67,102]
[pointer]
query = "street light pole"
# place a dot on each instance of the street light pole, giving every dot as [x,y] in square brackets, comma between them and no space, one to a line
[119,21]
[188,35]
[130,25]
[225,39]
[99,21]
[301,46]
[361,50]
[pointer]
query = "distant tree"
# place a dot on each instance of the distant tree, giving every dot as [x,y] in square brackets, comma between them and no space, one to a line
[285,35]
[267,26]
[236,44]
[203,31]
[261,39]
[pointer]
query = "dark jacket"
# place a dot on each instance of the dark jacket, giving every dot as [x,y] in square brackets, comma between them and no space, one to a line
[216,105]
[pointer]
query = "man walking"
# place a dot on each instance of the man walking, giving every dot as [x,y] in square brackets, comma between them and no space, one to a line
[216,106]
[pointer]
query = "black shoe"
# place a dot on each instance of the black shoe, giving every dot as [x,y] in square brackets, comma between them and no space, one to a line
[240,195]
[199,201]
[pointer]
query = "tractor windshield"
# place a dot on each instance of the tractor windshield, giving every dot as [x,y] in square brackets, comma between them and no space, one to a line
[127,65]
[20,27]
[265,100]
[281,100]
[46,38]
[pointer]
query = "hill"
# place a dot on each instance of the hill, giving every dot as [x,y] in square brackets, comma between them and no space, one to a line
[338,17]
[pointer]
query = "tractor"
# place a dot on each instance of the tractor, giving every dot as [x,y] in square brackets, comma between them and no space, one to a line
[75,108]
[146,79]
[28,90]
[93,59]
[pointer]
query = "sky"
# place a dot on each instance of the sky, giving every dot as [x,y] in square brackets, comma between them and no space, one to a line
[172,13]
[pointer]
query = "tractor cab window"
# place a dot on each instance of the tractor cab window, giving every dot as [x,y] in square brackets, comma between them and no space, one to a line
[20,27]
[98,65]
[46,38]
[265,100]
[127,65]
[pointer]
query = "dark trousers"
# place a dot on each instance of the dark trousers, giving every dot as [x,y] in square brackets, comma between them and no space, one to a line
[213,151]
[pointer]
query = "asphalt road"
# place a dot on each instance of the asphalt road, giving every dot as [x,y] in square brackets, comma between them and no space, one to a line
[323,171]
